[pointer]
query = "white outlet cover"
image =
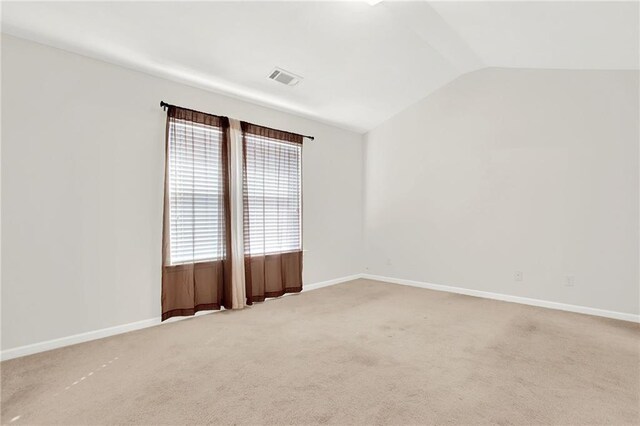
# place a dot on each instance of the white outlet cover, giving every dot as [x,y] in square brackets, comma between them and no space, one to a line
[570,281]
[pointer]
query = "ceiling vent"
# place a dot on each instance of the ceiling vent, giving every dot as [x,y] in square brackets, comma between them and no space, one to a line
[284,77]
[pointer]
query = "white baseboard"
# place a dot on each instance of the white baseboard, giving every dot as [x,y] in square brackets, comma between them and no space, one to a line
[330,282]
[119,329]
[111,331]
[76,338]
[508,298]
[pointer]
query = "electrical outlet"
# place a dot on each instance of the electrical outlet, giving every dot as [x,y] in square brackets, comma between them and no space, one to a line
[517,276]
[569,281]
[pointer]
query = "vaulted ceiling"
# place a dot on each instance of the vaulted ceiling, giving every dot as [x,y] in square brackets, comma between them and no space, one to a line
[361,64]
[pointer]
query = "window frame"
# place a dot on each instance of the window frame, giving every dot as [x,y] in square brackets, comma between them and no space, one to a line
[217,193]
[249,249]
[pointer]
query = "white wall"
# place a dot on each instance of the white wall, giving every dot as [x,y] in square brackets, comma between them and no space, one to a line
[500,171]
[82,176]
[508,170]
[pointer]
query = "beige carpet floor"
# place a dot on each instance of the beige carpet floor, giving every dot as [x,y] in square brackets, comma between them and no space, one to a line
[362,352]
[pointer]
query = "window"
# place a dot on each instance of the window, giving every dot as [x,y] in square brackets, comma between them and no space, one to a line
[272,195]
[228,182]
[196,179]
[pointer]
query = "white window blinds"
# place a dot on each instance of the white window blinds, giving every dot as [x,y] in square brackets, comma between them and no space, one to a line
[272,195]
[196,179]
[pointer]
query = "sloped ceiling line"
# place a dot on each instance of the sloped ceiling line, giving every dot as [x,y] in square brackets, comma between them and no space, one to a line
[361,64]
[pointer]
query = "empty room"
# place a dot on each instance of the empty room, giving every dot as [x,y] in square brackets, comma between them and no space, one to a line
[320,212]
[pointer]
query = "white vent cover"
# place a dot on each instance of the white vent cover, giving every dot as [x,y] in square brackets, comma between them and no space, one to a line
[284,77]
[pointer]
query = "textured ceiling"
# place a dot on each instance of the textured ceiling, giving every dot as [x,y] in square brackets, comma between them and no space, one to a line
[361,64]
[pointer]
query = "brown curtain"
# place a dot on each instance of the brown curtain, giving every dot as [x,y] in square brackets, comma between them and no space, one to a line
[196,272]
[272,196]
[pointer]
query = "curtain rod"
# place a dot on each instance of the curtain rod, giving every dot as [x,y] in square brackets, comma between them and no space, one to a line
[165,105]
